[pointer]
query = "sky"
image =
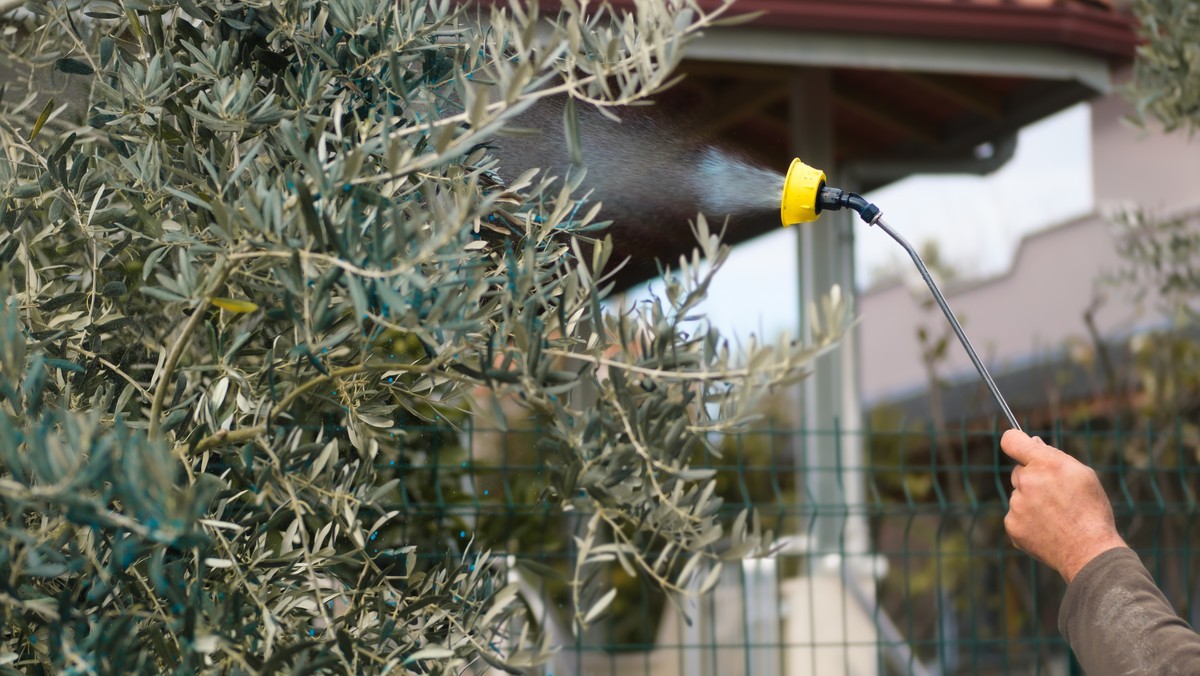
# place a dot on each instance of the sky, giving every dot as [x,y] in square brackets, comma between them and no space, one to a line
[1047,181]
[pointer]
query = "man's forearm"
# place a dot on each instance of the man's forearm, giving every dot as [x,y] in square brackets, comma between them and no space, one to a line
[1118,622]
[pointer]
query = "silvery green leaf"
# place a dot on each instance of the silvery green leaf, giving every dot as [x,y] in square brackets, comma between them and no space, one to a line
[430,653]
[161,294]
[571,131]
[600,606]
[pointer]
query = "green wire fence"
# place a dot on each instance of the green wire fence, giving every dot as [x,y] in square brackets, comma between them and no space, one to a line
[920,577]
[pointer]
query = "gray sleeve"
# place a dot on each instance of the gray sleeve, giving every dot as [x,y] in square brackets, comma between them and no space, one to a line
[1118,622]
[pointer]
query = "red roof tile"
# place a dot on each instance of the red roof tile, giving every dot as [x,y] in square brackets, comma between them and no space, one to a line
[1027,3]
[1093,26]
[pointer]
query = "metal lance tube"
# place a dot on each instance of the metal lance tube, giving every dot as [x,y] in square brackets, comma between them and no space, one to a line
[958,330]
[805,196]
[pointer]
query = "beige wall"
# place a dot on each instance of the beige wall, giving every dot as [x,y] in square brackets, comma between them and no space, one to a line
[1028,313]
[1153,169]
[1032,311]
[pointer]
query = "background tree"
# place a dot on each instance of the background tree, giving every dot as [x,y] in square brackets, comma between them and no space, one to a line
[1166,85]
[1153,376]
[249,264]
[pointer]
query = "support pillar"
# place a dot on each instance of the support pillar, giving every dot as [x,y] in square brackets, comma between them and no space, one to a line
[832,414]
[831,451]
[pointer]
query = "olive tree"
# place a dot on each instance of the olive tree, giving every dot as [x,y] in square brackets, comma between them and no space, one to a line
[1166,83]
[249,249]
[1160,253]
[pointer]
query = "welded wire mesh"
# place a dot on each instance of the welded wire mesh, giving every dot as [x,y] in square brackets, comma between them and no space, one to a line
[921,577]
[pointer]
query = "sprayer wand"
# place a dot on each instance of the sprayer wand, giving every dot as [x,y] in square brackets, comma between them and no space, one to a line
[805,196]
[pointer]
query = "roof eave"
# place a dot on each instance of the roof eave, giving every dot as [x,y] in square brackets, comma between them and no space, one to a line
[1107,33]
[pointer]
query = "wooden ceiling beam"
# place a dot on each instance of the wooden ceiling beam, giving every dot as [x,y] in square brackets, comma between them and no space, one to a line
[876,111]
[959,92]
[734,104]
[739,71]
[849,147]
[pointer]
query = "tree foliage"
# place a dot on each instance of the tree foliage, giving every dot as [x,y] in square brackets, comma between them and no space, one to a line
[1160,253]
[1167,70]
[259,250]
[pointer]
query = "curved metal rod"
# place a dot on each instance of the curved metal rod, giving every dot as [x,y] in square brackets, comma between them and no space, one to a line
[958,331]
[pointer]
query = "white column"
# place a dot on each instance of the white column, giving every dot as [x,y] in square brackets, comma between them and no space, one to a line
[832,448]
[830,398]
[762,603]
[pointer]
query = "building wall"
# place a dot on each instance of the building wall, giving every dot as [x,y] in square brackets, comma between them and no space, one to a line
[1155,170]
[1036,308]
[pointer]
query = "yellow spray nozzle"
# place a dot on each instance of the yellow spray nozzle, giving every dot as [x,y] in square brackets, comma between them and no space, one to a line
[800,190]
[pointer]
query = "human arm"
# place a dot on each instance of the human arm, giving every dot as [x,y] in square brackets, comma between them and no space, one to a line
[1058,512]
[1118,622]
[1115,618]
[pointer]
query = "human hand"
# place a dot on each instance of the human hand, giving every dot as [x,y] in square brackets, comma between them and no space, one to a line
[1058,512]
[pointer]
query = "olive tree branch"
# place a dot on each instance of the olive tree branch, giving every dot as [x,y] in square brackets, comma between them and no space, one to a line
[225,437]
[219,274]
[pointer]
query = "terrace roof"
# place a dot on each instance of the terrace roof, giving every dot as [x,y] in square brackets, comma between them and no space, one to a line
[914,86]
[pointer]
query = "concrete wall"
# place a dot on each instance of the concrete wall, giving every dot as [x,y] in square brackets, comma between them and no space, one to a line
[1155,170]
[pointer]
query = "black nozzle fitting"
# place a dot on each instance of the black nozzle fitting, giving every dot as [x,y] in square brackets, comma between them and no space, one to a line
[833,199]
